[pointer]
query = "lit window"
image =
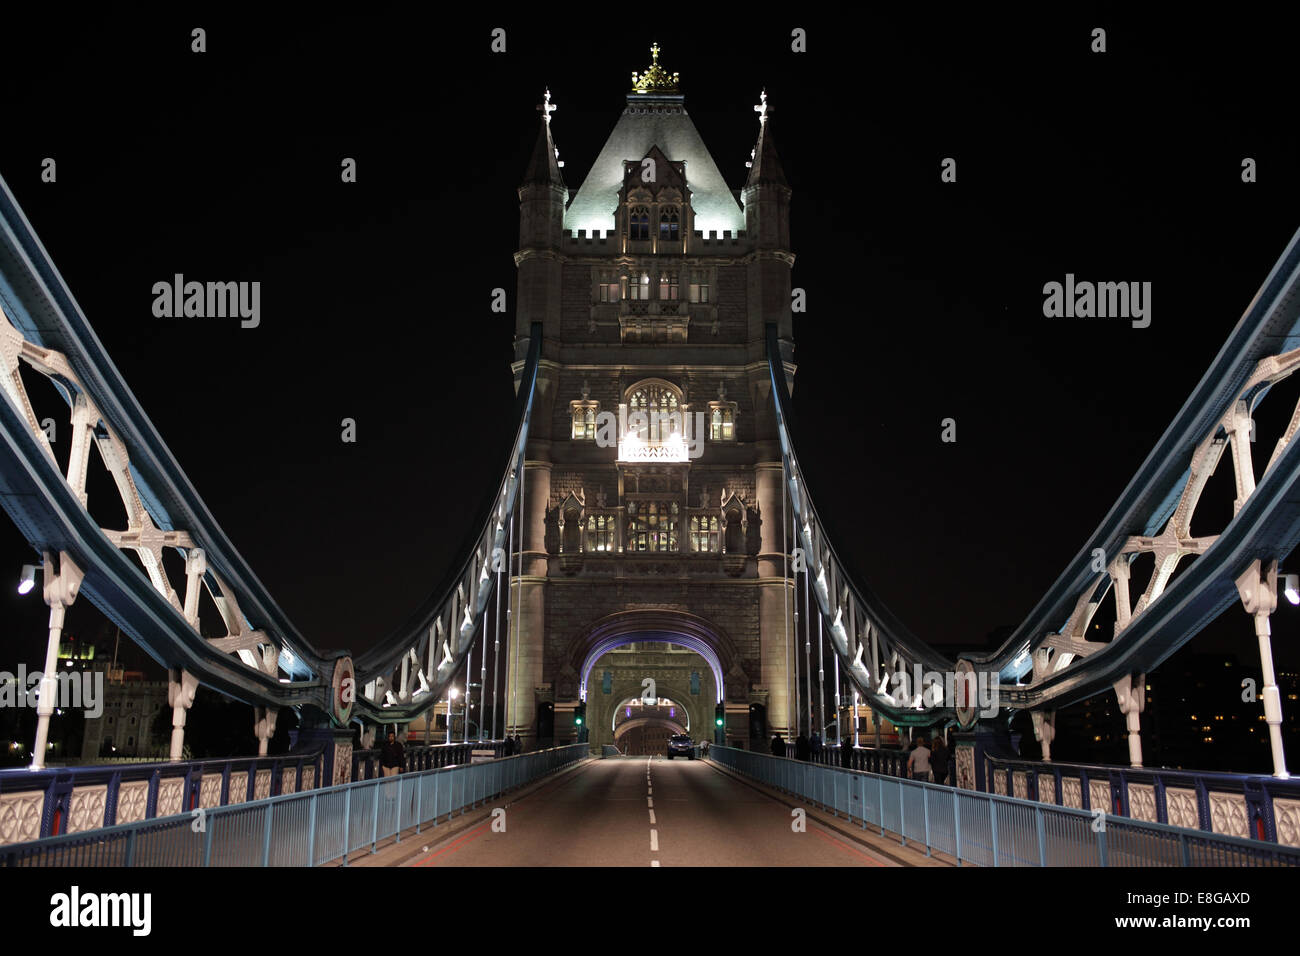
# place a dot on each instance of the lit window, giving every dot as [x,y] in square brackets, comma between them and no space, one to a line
[704,533]
[639,287]
[700,288]
[662,412]
[584,419]
[652,525]
[722,421]
[668,286]
[600,533]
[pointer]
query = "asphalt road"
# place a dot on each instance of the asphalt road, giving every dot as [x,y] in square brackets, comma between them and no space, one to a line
[634,811]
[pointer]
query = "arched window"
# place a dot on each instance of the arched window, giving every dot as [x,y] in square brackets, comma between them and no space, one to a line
[600,533]
[584,419]
[704,533]
[639,223]
[662,410]
[722,422]
[652,525]
[668,224]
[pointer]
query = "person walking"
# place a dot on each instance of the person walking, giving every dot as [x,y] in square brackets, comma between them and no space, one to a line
[918,763]
[846,751]
[778,746]
[815,745]
[392,758]
[801,748]
[939,760]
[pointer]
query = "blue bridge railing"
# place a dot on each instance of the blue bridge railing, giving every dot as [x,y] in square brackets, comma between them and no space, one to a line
[991,830]
[298,829]
[1246,805]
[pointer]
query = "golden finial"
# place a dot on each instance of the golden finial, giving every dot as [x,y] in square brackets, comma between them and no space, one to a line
[655,79]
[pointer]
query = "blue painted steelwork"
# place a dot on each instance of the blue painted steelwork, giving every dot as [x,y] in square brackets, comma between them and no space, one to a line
[301,829]
[1266,527]
[48,513]
[989,830]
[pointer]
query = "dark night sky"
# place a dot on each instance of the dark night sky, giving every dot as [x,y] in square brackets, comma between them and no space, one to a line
[925,299]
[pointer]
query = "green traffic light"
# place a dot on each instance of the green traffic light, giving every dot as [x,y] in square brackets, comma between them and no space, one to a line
[578,720]
[718,721]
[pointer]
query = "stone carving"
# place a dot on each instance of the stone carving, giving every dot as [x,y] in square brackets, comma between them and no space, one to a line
[288,780]
[309,777]
[210,791]
[1000,782]
[1181,808]
[1099,795]
[170,794]
[20,816]
[1072,792]
[261,785]
[238,790]
[342,764]
[132,801]
[86,808]
[1286,817]
[1046,788]
[1228,814]
[1020,784]
[1142,802]
[966,768]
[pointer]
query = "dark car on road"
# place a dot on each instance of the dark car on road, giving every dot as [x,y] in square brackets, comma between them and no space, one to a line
[679,745]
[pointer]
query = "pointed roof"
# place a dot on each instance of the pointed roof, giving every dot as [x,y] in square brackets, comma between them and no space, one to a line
[655,115]
[544,166]
[766,167]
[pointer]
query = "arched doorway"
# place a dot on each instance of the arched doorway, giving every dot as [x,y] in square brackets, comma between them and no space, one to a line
[661,654]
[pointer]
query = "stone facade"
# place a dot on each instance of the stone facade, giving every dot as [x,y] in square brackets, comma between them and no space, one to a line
[652,542]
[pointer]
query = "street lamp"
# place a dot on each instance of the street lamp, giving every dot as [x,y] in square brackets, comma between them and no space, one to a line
[28,580]
[452,694]
[1291,588]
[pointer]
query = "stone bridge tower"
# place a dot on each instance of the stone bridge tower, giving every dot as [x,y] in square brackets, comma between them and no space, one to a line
[653,501]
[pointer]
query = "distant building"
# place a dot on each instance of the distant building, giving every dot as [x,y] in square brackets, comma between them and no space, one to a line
[1202,713]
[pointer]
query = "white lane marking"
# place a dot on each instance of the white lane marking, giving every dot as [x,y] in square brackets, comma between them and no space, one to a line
[652,816]
[654,841]
[649,801]
[650,790]
[654,862]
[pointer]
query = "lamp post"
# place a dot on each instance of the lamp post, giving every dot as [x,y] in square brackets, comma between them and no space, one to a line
[452,694]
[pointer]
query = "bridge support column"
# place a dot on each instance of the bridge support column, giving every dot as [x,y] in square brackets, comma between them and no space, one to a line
[60,591]
[1044,730]
[526,653]
[181,685]
[264,719]
[773,636]
[1258,590]
[1131,692]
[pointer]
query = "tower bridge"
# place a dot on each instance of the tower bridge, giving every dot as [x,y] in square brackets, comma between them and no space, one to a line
[654,295]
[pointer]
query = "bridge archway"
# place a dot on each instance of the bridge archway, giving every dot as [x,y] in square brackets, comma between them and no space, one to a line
[655,626]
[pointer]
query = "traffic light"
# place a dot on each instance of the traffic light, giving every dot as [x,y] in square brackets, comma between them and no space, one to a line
[580,714]
[719,716]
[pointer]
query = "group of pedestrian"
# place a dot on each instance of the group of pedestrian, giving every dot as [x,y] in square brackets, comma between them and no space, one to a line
[925,763]
[513,745]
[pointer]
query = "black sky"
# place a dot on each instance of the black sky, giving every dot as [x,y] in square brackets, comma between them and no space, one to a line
[925,299]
